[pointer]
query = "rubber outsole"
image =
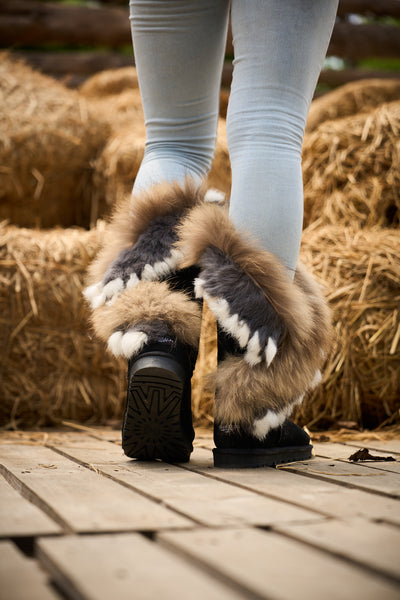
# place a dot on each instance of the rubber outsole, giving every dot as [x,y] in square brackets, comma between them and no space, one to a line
[230,458]
[152,421]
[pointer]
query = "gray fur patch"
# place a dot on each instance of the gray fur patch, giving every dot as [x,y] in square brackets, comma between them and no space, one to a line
[154,245]
[224,279]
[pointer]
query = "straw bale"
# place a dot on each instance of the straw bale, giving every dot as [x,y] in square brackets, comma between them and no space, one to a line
[110,82]
[117,166]
[49,138]
[361,272]
[51,368]
[352,98]
[351,170]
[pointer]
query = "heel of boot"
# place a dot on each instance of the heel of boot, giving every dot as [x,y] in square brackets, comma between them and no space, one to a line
[152,426]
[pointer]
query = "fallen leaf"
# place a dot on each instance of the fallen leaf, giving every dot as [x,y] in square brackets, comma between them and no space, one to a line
[364,455]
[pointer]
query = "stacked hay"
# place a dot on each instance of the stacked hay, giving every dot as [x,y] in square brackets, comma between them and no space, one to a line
[49,139]
[51,368]
[352,99]
[110,83]
[351,170]
[361,271]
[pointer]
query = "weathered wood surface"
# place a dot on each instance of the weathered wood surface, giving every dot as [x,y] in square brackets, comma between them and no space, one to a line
[125,566]
[264,560]
[104,526]
[20,577]
[19,517]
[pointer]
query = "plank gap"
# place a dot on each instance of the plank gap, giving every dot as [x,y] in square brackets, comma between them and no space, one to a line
[98,469]
[345,558]
[32,497]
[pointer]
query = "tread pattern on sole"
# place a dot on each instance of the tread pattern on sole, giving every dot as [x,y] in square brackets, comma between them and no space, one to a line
[152,422]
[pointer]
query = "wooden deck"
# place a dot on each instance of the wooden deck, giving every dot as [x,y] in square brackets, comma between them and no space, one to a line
[79,520]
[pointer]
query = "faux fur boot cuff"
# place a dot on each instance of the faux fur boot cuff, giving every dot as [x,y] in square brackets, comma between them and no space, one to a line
[132,304]
[145,314]
[281,327]
[138,241]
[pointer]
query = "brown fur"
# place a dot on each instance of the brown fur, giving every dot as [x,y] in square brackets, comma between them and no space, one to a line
[150,301]
[133,215]
[209,225]
[244,392]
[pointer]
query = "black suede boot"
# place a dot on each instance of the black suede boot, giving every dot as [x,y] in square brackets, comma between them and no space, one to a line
[237,449]
[158,417]
[144,309]
[273,334]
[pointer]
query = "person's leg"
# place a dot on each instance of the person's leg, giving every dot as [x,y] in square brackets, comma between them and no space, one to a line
[179,48]
[279,51]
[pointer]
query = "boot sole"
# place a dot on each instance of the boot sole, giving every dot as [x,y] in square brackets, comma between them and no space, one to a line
[152,422]
[230,458]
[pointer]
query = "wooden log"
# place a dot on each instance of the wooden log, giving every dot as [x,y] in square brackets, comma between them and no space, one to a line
[60,64]
[335,78]
[356,42]
[25,22]
[369,7]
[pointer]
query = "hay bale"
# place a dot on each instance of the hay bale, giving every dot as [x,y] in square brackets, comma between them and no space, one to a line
[352,98]
[49,138]
[118,164]
[110,82]
[351,170]
[361,272]
[51,369]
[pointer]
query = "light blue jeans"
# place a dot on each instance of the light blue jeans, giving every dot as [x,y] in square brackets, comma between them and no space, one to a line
[279,48]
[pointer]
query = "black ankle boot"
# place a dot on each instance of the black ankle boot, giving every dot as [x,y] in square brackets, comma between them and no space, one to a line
[237,449]
[158,418]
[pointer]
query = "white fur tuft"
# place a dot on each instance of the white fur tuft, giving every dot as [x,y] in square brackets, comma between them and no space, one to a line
[114,343]
[252,355]
[92,291]
[199,287]
[148,273]
[132,281]
[269,421]
[214,195]
[317,379]
[270,351]
[132,342]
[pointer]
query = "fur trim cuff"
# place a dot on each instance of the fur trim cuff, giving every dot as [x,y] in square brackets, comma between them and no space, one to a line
[145,314]
[282,327]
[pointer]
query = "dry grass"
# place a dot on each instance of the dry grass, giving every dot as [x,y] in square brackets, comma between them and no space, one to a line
[51,368]
[353,98]
[351,170]
[49,137]
[361,272]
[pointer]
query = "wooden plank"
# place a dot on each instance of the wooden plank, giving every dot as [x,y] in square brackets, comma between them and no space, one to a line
[343,452]
[21,577]
[375,545]
[18,517]
[125,566]
[203,499]
[321,495]
[80,498]
[29,22]
[352,475]
[273,566]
